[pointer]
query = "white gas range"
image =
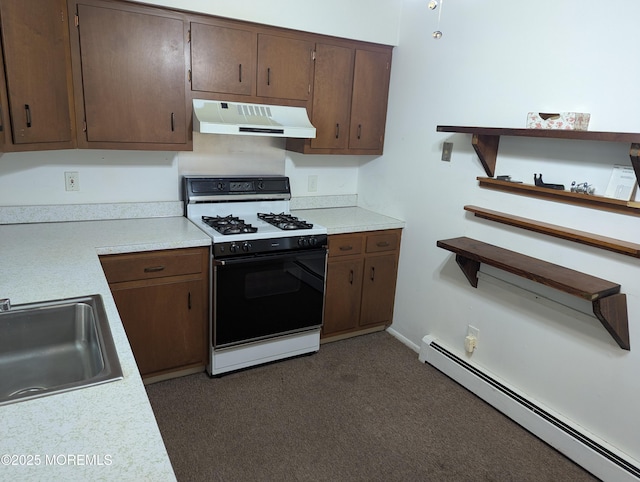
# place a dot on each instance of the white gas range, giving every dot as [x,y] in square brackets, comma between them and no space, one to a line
[268,270]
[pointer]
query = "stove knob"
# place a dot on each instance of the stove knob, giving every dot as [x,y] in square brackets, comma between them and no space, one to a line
[246,246]
[234,248]
[302,242]
[220,186]
[313,241]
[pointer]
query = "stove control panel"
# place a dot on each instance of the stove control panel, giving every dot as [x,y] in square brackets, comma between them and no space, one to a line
[263,246]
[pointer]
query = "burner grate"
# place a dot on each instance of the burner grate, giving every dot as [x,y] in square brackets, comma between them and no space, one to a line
[284,221]
[229,224]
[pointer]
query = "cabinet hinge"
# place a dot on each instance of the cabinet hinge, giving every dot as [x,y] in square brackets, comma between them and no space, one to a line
[76,20]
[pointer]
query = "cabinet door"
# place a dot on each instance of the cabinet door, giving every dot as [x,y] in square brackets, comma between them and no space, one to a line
[332,96]
[133,74]
[165,324]
[35,40]
[369,104]
[222,59]
[284,67]
[378,289]
[342,296]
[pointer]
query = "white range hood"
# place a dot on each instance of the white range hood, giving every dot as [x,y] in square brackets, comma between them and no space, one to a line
[238,118]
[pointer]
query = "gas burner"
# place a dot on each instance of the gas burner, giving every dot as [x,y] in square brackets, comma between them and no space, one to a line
[228,224]
[284,221]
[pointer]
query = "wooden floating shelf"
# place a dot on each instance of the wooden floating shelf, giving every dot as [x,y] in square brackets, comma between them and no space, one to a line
[567,197]
[582,237]
[486,140]
[609,305]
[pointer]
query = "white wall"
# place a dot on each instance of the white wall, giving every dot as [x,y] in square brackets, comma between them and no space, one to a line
[496,62]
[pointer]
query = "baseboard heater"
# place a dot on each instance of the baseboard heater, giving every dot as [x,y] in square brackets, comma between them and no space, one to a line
[596,456]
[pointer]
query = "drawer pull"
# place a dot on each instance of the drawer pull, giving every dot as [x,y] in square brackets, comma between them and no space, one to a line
[153,269]
[383,244]
[346,248]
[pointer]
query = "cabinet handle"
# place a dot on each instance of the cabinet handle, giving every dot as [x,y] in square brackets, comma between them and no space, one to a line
[153,269]
[346,248]
[173,121]
[373,273]
[189,300]
[382,244]
[337,130]
[27,110]
[359,130]
[268,75]
[240,73]
[351,277]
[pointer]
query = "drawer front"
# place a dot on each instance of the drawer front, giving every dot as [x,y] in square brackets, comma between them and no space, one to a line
[155,264]
[345,245]
[387,241]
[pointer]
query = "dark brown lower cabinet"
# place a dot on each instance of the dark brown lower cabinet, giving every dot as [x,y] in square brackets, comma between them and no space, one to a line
[162,298]
[361,282]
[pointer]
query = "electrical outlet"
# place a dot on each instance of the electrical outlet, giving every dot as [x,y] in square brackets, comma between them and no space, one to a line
[312,184]
[447,148]
[71,181]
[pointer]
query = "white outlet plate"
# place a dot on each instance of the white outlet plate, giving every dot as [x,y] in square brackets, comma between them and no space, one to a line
[473,331]
[71,181]
[312,184]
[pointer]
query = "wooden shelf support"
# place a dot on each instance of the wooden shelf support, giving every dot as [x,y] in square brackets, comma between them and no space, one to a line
[608,304]
[485,141]
[586,200]
[486,147]
[610,244]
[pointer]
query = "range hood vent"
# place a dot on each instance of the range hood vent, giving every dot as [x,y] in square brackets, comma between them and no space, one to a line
[237,118]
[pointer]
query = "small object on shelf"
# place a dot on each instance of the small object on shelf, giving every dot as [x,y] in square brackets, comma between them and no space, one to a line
[583,187]
[622,183]
[577,121]
[506,178]
[537,180]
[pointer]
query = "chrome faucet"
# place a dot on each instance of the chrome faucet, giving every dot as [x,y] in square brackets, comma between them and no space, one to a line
[5,304]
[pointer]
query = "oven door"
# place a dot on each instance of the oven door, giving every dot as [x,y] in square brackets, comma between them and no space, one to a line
[263,296]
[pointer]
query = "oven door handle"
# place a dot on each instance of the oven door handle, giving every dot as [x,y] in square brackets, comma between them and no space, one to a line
[267,257]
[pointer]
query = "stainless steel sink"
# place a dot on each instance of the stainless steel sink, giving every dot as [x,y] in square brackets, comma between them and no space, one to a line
[55,346]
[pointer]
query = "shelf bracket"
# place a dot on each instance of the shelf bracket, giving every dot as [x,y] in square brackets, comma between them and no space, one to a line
[486,147]
[634,154]
[612,313]
[470,269]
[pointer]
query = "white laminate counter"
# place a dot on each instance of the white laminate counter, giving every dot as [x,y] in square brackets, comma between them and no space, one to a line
[348,219]
[105,432]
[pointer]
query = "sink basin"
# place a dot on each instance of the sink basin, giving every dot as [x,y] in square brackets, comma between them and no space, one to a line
[55,346]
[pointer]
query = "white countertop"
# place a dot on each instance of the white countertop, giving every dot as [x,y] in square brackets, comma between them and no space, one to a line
[348,219]
[105,432]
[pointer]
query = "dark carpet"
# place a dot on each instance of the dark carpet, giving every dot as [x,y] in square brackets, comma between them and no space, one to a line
[362,409]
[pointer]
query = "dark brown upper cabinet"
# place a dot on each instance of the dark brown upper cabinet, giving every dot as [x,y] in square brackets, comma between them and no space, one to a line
[332,84]
[285,67]
[223,59]
[130,76]
[36,95]
[349,108]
